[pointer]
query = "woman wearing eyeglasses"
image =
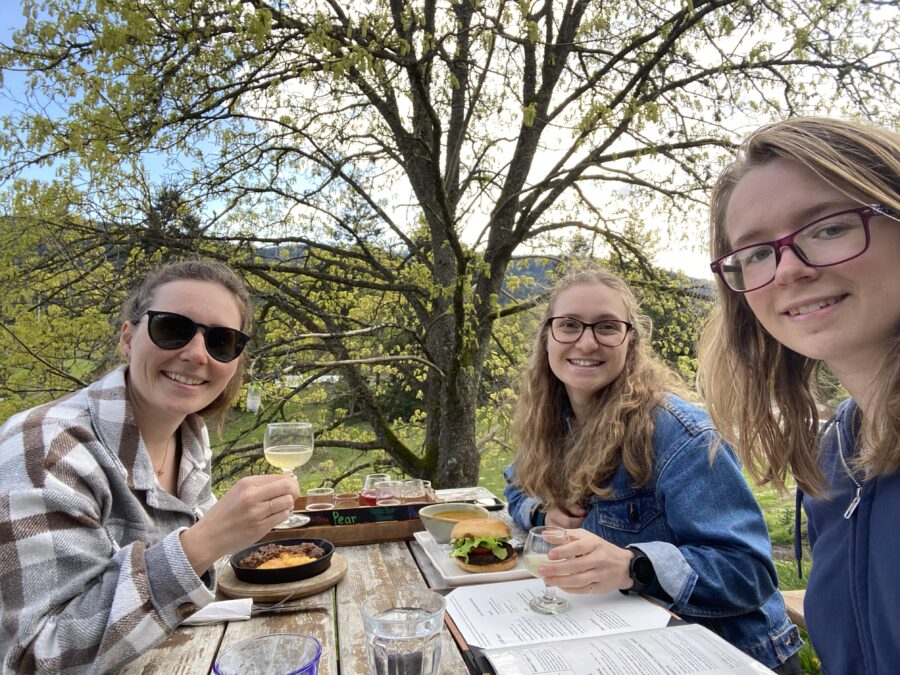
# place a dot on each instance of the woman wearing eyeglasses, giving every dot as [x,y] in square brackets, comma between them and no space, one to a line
[608,448]
[806,240]
[108,527]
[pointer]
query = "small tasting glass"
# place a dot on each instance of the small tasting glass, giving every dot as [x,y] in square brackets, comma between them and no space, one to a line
[388,492]
[368,493]
[414,490]
[319,499]
[344,500]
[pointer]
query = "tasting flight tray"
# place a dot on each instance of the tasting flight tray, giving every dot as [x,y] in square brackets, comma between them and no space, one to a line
[372,524]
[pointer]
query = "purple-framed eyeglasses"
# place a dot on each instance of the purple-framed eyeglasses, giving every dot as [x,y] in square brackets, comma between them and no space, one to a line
[829,240]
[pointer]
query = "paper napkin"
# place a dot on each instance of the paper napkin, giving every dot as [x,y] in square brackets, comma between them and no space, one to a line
[218,612]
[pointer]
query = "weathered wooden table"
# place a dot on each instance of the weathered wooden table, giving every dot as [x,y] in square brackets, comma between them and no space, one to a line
[372,568]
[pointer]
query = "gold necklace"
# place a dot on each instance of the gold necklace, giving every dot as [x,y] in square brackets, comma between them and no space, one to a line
[162,468]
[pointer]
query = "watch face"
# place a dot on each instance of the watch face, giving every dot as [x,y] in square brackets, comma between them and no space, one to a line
[642,569]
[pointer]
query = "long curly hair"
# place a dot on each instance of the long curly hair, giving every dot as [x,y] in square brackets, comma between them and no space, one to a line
[197,270]
[762,395]
[565,466]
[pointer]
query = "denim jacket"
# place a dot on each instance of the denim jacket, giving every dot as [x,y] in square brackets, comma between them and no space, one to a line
[852,602]
[702,529]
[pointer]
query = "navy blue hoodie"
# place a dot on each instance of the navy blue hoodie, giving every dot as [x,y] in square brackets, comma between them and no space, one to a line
[852,602]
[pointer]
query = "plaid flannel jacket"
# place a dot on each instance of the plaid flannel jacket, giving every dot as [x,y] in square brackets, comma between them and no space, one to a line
[92,573]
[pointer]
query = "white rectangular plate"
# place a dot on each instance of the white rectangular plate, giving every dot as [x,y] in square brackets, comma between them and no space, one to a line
[453,575]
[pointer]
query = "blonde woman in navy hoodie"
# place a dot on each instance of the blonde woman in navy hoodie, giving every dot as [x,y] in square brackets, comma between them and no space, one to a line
[806,241]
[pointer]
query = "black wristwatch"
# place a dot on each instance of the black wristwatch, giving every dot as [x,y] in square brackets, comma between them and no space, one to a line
[537,515]
[640,569]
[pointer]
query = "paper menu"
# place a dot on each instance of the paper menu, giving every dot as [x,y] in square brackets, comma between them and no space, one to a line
[678,650]
[462,494]
[610,634]
[498,615]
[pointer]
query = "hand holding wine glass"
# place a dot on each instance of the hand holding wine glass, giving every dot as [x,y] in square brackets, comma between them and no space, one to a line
[540,541]
[240,517]
[288,445]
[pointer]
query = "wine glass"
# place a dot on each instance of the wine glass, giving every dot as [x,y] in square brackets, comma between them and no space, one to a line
[367,498]
[288,445]
[538,544]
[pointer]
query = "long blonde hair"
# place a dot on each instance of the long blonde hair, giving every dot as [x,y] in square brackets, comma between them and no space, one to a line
[564,467]
[762,395]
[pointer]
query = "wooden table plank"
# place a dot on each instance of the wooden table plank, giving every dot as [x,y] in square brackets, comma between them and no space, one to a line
[187,651]
[371,569]
[432,575]
[793,601]
[192,649]
[374,568]
[318,623]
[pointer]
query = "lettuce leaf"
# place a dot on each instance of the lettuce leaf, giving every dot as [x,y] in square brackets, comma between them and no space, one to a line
[460,548]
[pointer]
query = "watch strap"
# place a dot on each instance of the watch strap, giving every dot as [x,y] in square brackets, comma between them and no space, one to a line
[537,515]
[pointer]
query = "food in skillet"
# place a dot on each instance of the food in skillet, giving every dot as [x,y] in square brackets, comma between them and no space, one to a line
[277,556]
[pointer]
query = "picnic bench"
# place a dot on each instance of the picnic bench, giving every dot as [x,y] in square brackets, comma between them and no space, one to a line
[793,600]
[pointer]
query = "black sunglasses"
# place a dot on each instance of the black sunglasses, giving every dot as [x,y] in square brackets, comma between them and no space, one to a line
[168,330]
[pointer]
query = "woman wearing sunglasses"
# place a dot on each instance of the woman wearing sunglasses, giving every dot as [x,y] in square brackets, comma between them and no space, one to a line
[806,240]
[607,447]
[108,526]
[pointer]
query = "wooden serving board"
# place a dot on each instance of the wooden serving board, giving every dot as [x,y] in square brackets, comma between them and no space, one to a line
[233,587]
[352,535]
[352,527]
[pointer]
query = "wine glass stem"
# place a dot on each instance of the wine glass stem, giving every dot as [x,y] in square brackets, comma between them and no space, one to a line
[290,472]
[550,594]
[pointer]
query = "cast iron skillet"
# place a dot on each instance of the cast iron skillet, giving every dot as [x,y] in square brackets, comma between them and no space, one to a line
[282,575]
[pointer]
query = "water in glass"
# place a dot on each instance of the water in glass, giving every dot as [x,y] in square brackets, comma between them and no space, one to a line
[405,643]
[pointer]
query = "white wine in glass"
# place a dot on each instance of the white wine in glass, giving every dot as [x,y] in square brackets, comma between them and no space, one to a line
[288,445]
[540,541]
[536,560]
[288,457]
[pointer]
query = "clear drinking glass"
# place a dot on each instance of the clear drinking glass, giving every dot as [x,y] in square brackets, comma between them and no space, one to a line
[403,631]
[288,445]
[540,541]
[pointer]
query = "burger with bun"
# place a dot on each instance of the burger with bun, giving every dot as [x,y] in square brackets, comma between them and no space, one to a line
[482,545]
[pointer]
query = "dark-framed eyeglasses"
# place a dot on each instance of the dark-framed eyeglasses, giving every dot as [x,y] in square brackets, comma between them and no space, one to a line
[607,332]
[829,240]
[168,330]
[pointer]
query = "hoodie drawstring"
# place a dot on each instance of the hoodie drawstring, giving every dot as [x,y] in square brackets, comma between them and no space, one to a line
[798,533]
